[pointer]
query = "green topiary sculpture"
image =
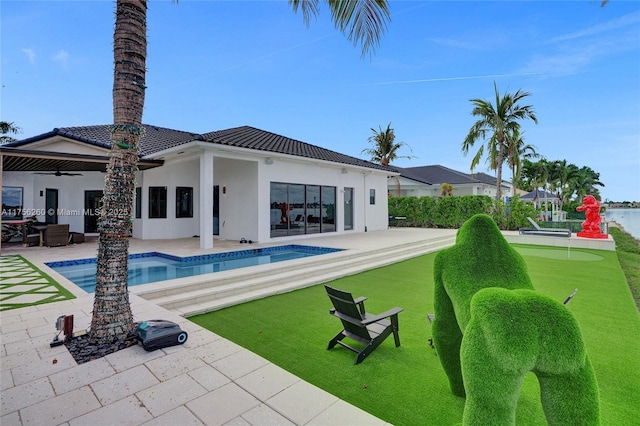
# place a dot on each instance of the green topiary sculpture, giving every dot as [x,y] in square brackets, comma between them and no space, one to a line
[483,292]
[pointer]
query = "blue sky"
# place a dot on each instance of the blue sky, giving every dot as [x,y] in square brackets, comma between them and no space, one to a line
[219,64]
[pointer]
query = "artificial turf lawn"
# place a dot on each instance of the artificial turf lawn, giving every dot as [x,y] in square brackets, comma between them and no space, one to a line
[22,284]
[406,385]
[628,249]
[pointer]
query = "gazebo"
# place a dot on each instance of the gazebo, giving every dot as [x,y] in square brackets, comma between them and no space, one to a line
[543,198]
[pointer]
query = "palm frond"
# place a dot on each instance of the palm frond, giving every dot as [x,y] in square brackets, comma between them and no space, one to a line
[309,9]
[363,21]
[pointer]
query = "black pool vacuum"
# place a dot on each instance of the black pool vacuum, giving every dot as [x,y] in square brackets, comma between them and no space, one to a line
[158,334]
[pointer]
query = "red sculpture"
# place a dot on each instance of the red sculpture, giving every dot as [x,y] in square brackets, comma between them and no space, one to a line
[284,213]
[591,226]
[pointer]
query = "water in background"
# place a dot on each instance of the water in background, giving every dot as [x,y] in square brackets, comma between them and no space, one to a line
[628,218]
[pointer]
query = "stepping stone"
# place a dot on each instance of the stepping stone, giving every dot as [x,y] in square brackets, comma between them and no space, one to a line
[18,280]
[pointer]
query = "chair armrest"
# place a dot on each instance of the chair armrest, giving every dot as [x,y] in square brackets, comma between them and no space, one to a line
[347,318]
[375,318]
[360,302]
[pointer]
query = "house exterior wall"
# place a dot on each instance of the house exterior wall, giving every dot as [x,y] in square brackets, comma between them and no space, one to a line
[70,194]
[171,175]
[411,188]
[239,212]
[244,179]
[374,217]
[60,144]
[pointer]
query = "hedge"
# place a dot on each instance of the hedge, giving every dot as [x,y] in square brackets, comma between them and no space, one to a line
[452,212]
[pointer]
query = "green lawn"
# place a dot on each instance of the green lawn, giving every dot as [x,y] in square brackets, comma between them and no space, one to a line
[22,284]
[628,249]
[406,385]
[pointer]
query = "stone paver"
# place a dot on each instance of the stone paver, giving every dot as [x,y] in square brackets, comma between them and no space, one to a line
[173,365]
[209,377]
[123,384]
[171,394]
[60,409]
[264,415]
[294,401]
[208,380]
[239,364]
[19,397]
[180,416]
[267,381]
[127,411]
[223,404]
[84,374]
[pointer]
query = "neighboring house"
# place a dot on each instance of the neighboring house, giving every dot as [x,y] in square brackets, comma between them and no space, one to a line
[427,180]
[236,183]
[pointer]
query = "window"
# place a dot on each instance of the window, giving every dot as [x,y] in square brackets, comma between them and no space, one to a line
[328,197]
[372,196]
[184,201]
[157,202]
[313,209]
[138,203]
[12,203]
[348,209]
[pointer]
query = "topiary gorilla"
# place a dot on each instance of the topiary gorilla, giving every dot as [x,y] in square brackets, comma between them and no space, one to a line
[491,328]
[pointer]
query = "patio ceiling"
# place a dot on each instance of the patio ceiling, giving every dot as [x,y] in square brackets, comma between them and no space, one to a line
[22,160]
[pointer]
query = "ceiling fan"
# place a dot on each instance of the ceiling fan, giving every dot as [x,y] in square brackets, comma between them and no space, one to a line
[59,173]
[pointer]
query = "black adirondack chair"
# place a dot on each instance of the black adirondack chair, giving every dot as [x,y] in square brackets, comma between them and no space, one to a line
[367,329]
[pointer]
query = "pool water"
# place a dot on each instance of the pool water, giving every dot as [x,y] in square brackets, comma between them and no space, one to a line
[151,267]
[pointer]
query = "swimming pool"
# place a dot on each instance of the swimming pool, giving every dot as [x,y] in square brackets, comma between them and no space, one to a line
[150,267]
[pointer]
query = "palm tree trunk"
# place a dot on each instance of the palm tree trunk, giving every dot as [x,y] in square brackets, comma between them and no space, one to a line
[499,160]
[112,316]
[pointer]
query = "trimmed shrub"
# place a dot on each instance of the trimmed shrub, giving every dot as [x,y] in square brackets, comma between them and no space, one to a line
[480,258]
[491,328]
[452,212]
[512,332]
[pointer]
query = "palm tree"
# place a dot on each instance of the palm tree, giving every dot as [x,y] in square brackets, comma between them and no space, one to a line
[385,149]
[561,174]
[584,182]
[8,128]
[517,152]
[362,21]
[496,122]
[538,174]
[112,316]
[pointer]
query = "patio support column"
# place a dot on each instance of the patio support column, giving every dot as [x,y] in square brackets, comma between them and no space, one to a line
[206,200]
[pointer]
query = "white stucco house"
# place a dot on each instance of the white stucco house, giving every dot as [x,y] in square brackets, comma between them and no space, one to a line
[229,184]
[426,181]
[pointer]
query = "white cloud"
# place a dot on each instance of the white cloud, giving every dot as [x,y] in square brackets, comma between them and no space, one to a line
[30,54]
[431,80]
[62,57]
[623,21]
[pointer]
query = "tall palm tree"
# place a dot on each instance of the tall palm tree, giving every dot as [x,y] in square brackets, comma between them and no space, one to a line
[517,152]
[111,309]
[561,174]
[385,148]
[363,22]
[7,128]
[584,183]
[538,175]
[496,122]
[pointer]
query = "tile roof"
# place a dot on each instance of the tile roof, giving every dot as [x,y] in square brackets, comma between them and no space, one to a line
[537,194]
[157,139]
[436,174]
[252,138]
